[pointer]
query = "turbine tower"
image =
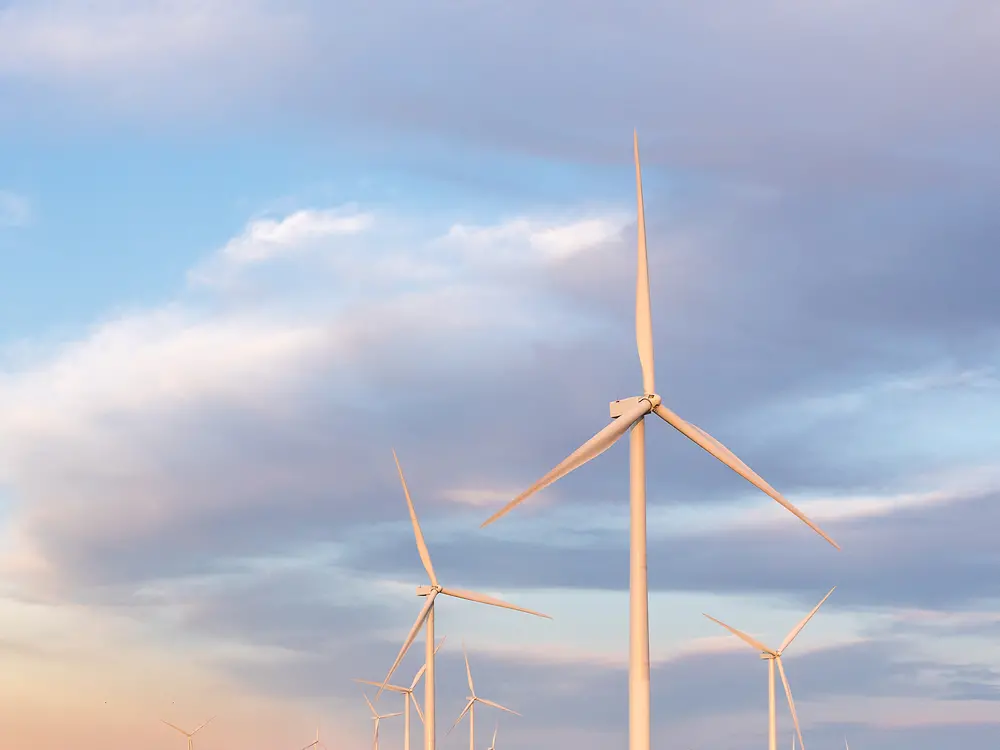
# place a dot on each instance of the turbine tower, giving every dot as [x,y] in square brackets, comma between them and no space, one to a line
[408,696]
[629,416]
[426,616]
[189,735]
[470,707]
[377,717]
[773,656]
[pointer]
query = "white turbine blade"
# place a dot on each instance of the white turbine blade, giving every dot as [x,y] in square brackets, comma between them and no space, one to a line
[473,596]
[846,746]
[468,671]
[425,555]
[391,688]
[374,712]
[389,716]
[791,701]
[423,667]
[643,314]
[497,705]
[174,726]
[726,456]
[798,628]
[494,743]
[411,636]
[460,716]
[311,744]
[416,705]
[742,636]
[589,450]
[201,727]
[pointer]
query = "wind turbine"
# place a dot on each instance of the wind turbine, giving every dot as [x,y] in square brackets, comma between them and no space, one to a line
[427,616]
[773,656]
[407,697]
[470,707]
[629,416]
[493,745]
[316,742]
[189,735]
[377,717]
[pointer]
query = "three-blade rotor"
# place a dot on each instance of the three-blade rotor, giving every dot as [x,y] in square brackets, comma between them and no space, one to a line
[650,401]
[435,588]
[775,654]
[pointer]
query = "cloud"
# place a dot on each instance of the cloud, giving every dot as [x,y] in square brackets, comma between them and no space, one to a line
[15,210]
[268,239]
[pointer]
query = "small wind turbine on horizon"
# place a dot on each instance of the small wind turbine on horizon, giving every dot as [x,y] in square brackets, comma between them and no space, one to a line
[316,742]
[629,415]
[470,707]
[773,656]
[189,735]
[426,617]
[407,697]
[378,718]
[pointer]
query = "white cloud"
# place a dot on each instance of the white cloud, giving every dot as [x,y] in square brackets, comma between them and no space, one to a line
[270,239]
[550,240]
[102,437]
[15,210]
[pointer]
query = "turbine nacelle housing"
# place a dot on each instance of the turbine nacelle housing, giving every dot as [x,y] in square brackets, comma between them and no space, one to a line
[623,405]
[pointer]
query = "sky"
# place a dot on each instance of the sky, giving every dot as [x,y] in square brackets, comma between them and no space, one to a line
[248,248]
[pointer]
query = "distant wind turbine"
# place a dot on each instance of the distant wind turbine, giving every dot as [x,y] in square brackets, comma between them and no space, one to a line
[189,735]
[407,697]
[316,742]
[774,657]
[377,718]
[629,415]
[470,707]
[427,616]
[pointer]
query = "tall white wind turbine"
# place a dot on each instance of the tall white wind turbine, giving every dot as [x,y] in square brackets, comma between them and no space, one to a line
[773,656]
[470,707]
[377,717]
[629,416]
[426,616]
[408,696]
[189,735]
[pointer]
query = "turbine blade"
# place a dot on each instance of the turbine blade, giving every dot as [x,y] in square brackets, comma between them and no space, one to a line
[742,636]
[374,712]
[460,717]
[798,628]
[174,726]
[200,727]
[589,450]
[411,636]
[643,314]
[497,705]
[425,555]
[416,705]
[423,667]
[473,596]
[391,688]
[495,728]
[726,456]
[389,716]
[791,701]
[468,671]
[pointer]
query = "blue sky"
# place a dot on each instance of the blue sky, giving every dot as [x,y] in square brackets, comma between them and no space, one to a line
[248,248]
